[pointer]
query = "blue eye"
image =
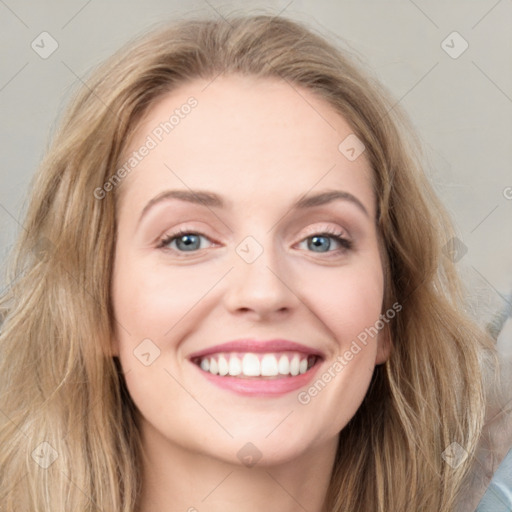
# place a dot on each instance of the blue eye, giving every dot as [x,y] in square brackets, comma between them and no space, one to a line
[320,241]
[190,241]
[186,241]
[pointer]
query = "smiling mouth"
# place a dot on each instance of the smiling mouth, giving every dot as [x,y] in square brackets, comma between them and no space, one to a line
[261,366]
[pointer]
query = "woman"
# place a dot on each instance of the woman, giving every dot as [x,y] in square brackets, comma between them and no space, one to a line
[175,336]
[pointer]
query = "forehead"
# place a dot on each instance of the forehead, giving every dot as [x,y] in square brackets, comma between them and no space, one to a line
[244,137]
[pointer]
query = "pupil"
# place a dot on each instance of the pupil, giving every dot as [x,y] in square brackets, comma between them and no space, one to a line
[188,241]
[317,238]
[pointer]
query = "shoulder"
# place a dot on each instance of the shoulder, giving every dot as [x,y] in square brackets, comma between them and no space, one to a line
[488,487]
[498,496]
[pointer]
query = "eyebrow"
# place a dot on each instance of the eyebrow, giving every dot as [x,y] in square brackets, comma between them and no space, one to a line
[211,199]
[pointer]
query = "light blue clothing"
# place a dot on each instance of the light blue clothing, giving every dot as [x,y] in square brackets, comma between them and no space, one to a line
[498,496]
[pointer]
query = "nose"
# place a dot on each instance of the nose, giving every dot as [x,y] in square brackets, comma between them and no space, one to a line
[261,288]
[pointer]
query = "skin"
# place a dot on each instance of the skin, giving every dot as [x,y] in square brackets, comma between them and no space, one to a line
[261,144]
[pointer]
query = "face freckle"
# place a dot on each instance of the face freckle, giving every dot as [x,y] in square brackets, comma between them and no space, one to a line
[220,239]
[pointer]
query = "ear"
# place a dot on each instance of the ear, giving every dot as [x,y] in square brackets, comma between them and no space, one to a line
[384,346]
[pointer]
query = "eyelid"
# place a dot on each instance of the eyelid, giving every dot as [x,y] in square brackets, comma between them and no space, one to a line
[310,230]
[314,230]
[176,233]
[334,232]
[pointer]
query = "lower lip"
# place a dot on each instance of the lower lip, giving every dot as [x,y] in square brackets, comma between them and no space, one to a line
[261,387]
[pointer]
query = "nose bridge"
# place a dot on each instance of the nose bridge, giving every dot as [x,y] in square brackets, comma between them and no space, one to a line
[256,255]
[258,279]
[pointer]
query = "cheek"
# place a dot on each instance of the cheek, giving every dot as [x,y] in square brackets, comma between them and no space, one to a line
[347,300]
[149,304]
[348,304]
[150,300]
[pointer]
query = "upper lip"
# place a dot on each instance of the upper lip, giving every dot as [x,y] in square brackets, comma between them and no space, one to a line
[258,346]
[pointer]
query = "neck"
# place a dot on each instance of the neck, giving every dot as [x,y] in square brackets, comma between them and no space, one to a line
[178,479]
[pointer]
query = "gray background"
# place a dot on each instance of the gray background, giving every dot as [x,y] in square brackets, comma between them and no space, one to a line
[461,107]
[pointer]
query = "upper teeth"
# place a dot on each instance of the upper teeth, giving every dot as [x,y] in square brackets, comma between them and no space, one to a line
[257,365]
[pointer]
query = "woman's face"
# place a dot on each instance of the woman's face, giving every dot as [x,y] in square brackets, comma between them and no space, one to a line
[227,171]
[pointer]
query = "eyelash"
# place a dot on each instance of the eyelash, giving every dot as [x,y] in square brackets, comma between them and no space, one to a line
[346,244]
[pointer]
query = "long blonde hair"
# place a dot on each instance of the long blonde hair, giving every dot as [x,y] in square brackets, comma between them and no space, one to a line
[60,385]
